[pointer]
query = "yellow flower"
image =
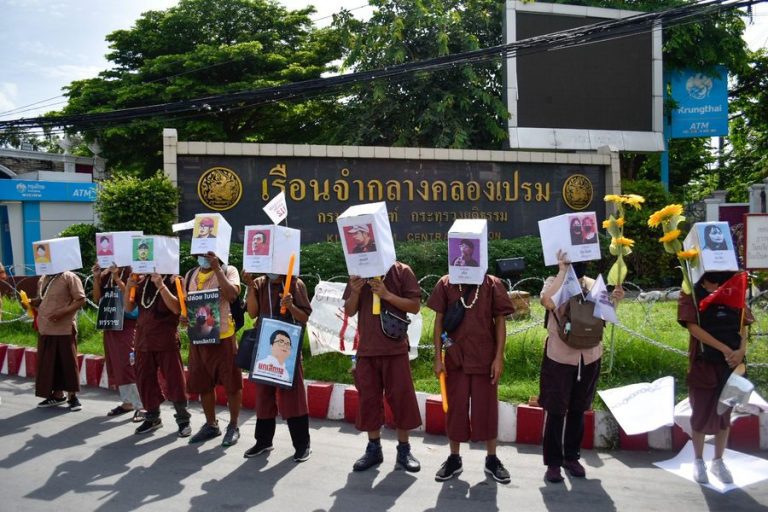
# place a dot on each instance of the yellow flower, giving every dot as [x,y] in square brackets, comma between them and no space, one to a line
[688,255]
[613,198]
[671,236]
[622,240]
[633,200]
[664,214]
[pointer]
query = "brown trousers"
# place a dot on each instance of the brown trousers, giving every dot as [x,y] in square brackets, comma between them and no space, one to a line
[168,363]
[56,365]
[291,403]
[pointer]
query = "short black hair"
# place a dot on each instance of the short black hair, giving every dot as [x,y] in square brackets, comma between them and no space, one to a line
[276,334]
[468,243]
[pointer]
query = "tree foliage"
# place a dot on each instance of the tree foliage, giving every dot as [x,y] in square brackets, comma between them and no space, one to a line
[458,108]
[126,203]
[201,48]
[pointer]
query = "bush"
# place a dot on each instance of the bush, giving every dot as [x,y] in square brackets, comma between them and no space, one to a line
[127,203]
[649,265]
[87,235]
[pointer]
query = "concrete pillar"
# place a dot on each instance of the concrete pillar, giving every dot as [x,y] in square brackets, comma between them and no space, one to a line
[16,226]
[170,143]
[713,205]
[613,171]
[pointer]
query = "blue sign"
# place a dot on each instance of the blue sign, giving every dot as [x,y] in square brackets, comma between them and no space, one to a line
[21,190]
[702,103]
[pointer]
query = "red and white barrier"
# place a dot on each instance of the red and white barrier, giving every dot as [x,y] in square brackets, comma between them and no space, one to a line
[522,424]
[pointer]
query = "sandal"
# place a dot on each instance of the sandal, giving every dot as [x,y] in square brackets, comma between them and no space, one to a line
[138,416]
[117,411]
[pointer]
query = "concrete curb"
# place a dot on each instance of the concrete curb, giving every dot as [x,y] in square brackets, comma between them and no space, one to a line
[522,424]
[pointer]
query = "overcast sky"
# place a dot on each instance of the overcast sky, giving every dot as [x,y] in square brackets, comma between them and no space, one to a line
[46,44]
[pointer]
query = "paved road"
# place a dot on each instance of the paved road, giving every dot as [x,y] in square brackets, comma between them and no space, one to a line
[53,459]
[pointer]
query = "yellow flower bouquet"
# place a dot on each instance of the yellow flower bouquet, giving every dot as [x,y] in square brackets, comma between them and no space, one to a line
[620,245]
[669,218]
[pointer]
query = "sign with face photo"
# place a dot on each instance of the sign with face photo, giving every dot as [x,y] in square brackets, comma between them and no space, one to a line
[367,241]
[143,254]
[204,314]
[277,353]
[573,233]
[114,248]
[715,245]
[56,255]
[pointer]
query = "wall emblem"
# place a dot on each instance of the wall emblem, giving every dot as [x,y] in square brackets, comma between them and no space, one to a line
[577,191]
[219,188]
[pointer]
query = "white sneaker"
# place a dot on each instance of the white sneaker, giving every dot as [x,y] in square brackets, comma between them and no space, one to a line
[721,472]
[700,471]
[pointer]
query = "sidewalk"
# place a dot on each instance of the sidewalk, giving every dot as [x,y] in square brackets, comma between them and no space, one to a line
[83,461]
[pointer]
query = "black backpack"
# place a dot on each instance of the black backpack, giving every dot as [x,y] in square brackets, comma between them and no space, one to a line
[236,307]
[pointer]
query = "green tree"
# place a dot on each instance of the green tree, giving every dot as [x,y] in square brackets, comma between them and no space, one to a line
[202,48]
[457,108]
[126,203]
[746,158]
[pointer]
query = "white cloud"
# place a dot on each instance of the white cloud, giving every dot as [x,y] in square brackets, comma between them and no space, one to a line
[8,93]
[68,72]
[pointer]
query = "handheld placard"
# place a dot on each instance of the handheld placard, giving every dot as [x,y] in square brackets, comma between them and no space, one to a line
[288,277]
[182,300]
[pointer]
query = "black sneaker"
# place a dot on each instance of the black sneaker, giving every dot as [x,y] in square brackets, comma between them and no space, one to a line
[74,404]
[185,430]
[372,457]
[231,436]
[51,402]
[205,433]
[149,425]
[302,454]
[405,459]
[257,449]
[450,468]
[496,469]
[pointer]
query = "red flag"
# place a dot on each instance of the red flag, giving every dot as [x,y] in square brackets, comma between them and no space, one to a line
[731,293]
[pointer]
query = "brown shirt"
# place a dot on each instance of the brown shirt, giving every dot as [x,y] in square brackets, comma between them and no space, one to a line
[212,283]
[57,292]
[401,281]
[267,291]
[686,313]
[557,350]
[157,326]
[476,335]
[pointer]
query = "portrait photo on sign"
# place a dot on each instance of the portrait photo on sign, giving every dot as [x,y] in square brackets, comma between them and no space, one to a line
[42,253]
[105,246]
[277,353]
[359,238]
[257,243]
[205,227]
[715,237]
[143,249]
[204,317]
[463,252]
[583,228]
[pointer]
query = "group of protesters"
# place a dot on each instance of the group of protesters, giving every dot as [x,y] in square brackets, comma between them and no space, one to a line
[144,361]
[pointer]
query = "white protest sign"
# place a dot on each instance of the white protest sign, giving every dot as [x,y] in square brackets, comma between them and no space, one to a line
[277,209]
[643,407]
[331,330]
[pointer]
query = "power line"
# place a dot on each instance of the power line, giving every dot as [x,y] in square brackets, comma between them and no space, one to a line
[598,32]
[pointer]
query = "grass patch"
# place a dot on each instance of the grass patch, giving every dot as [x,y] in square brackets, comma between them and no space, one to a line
[634,359]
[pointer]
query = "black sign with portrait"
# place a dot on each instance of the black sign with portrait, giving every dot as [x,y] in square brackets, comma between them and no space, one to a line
[423,197]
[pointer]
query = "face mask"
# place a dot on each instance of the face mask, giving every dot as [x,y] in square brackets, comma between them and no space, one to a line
[203,262]
[273,277]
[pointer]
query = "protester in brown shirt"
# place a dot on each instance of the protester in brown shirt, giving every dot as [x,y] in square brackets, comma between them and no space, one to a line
[382,366]
[59,297]
[708,372]
[473,365]
[265,297]
[158,349]
[119,352]
[213,364]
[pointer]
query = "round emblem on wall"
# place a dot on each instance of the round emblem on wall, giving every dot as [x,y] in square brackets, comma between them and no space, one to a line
[219,188]
[577,191]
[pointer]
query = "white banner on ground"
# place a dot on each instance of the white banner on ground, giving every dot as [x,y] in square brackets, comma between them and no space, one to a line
[643,407]
[683,411]
[331,330]
[746,469]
